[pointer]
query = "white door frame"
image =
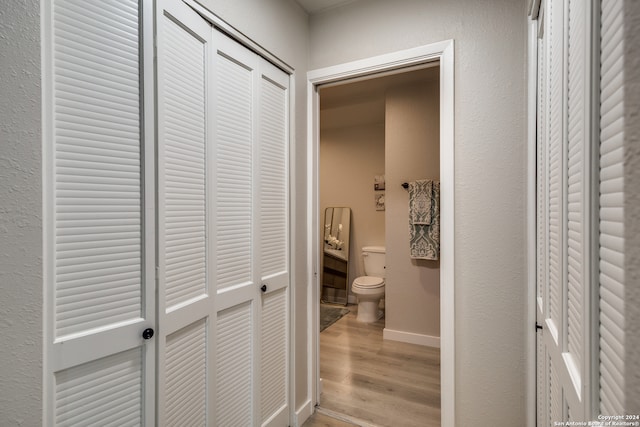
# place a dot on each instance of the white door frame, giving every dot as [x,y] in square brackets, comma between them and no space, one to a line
[532,108]
[372,67]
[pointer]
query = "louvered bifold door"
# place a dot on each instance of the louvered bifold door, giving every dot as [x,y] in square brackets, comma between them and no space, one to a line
[251,253]
[611,239]
[576,354]
[99,257]
[273,208]
[185,292]
[541,231]
[235,228]
[563,214]
[555,215]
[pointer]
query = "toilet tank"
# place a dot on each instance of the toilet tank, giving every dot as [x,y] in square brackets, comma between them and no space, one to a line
[374,260]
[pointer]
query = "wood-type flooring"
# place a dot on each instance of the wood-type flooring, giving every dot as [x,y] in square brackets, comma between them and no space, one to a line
[375,382]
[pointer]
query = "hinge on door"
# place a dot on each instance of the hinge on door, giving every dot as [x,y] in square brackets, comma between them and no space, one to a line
[538,326]
[157,279]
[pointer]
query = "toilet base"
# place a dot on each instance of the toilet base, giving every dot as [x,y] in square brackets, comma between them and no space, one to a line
[368,311]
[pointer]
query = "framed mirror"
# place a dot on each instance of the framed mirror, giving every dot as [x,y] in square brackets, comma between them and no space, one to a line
[336,237]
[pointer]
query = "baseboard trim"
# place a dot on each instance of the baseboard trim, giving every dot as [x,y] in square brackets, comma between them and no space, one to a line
[304,412]
[346,418]
[411,338]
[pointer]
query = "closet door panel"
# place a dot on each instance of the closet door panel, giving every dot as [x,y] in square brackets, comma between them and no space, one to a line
[273,182]
[98,276]
[223,349]
[273,179]
[576,320]
[563,270]
[186,375]
[576,185]
[235,229]
[541,241]
[555,163]
[556,404]
[551,305]
[185,299]
[274,358]
[107,391]
[98,218]
[565,173]
[234,126]
[611,202]
[183,176]
[234,367]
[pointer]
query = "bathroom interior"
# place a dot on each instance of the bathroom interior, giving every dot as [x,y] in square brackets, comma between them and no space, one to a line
[376,135]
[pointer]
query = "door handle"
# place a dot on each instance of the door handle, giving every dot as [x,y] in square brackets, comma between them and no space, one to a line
[263,288]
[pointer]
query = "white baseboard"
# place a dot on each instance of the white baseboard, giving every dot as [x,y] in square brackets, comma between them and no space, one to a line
[411,338]
[346,418]
[303,413]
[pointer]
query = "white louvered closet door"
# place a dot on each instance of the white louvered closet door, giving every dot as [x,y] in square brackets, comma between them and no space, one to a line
[611,200]
[251,255]
[556,143]
[223,228]
[563,214]
[185,273]
[235,228]
[99,280]
[273,211]
[541,231]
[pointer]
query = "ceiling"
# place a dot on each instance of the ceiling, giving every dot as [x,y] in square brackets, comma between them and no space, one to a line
[316,6]
[363,102]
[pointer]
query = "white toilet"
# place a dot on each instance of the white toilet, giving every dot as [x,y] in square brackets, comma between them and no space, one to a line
[370,288]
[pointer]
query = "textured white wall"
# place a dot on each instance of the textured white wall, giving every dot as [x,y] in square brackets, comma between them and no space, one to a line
[412,130]
[490,188]
[632,203]
[20,215]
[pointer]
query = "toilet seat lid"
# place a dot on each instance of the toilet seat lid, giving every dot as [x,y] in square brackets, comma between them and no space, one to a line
[369,282]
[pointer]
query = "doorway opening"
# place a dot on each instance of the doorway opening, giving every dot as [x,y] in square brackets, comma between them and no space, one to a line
[375,135]
[391,64]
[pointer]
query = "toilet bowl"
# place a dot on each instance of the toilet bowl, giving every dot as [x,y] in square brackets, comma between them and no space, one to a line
[369,289]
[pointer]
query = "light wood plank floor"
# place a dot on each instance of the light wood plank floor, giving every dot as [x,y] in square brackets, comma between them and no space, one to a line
[383,383]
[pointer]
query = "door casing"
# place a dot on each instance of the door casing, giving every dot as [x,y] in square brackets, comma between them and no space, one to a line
[395,62]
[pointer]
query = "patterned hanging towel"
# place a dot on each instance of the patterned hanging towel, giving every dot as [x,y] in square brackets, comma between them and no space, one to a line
[424,219]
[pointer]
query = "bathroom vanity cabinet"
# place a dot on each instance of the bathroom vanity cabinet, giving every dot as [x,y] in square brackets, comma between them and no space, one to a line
[335,272]
[335,260]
